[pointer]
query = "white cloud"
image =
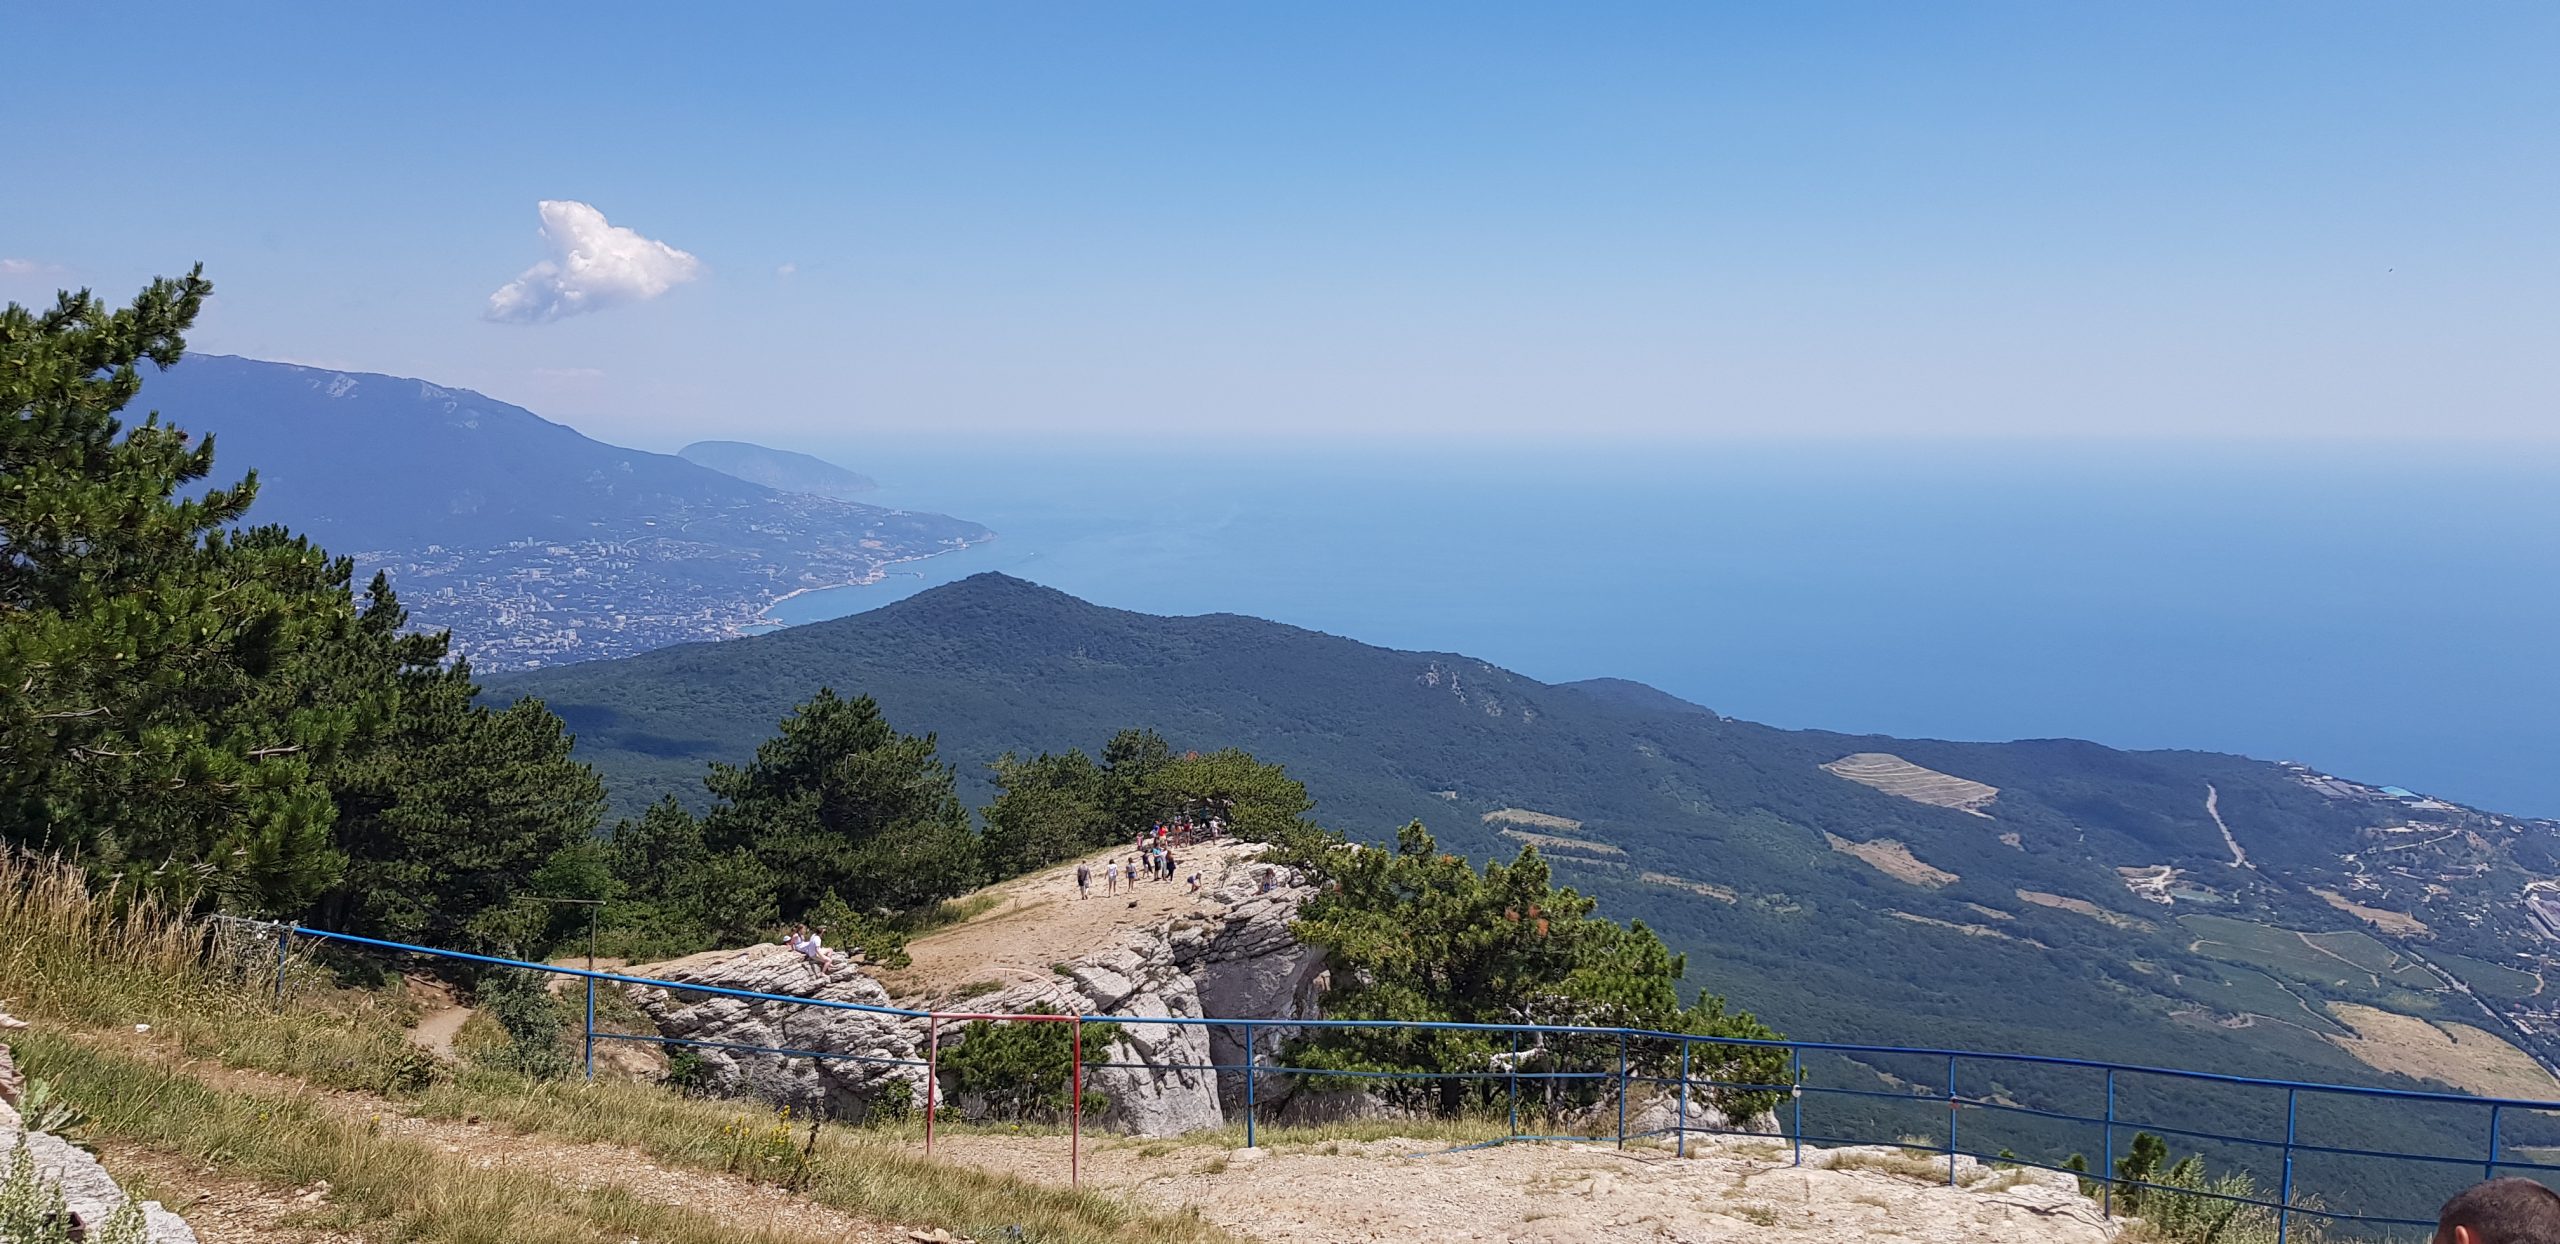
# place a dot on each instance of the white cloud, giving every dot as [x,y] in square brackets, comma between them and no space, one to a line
[27,267]
[594,265]
[786,270]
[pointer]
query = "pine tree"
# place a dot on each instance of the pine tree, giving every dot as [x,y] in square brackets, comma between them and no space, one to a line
[838,801]
[204,711]
[1415,934]
[446,817]
[1049,808]
[144,727]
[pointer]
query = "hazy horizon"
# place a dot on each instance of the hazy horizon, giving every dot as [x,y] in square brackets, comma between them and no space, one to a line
[1619,225]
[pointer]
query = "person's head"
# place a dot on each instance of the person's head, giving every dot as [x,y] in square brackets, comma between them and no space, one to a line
[2501,1211]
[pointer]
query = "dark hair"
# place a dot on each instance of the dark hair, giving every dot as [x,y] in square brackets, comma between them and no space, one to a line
[2504,1211]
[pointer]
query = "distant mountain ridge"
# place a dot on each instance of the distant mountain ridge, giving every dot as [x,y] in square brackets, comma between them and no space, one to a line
[779,469]
[533,542]
[2050,895]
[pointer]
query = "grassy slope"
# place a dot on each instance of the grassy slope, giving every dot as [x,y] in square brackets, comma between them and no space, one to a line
[88,976]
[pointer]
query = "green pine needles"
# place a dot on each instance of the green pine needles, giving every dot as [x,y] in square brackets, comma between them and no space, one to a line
[1418,935]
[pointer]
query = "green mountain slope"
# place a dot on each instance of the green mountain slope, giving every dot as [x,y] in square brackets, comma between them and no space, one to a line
[1833,901]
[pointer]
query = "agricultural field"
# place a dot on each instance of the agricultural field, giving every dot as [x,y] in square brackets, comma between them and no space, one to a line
[2343,960]
[2240,990]
[2488,979]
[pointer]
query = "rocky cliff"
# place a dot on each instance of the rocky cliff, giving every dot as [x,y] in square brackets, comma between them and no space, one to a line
[1229,955]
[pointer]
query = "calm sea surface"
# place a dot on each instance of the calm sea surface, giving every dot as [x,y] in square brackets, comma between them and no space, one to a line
[2385,614]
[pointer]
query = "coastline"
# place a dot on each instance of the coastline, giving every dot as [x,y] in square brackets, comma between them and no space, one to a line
[764,622]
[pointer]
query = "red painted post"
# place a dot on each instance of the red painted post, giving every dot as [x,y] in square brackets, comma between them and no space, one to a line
[932,1082]
[1075,1109]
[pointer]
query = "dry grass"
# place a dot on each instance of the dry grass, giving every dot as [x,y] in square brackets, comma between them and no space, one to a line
[384,1186]
[86,964]
[1900,1163]
[2471,1059]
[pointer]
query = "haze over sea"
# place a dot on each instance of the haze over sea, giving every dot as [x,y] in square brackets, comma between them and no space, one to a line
[2381,612]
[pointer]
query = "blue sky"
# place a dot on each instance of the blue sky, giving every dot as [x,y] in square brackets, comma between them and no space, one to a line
[1585,223]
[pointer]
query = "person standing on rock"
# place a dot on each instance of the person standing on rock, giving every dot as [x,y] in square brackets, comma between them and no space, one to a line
[1111,877]
[1084,881]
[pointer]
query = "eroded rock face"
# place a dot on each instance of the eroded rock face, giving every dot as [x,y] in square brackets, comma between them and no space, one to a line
[1237,960]
[877,1057]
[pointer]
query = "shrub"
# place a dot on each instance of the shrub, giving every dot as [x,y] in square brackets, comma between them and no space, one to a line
[1024,1070]
[521,1002]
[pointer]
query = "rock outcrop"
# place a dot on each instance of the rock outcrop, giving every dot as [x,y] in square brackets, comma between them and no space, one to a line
[873,1058]
[89,1194]
[1237,960]
[1233,957]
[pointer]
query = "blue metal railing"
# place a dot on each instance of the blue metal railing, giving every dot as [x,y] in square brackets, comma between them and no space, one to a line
[1626,1076]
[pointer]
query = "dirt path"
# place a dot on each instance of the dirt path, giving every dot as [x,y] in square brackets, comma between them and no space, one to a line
[731,1201]
[1420,1193]
[1039,920]
[222,1208]
[2213,808]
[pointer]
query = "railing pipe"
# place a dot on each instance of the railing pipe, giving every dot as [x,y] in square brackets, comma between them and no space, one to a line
[1075,1107]
[1951,1120]
[2108,1202]
[1795,1090]
[2489,1168]
[1682,1122]
[1515,1082]
[1622,1089]
[1249,1078]
[284,945]
[2284,1193]
[932,1076]
[591,1028]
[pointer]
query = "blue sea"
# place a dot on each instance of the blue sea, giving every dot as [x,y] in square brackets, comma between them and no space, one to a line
[2386,613]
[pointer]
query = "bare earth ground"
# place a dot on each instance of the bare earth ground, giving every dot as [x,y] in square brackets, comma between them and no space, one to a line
[1893,860]
[1544,1193]
[223,1209]
[1038,920]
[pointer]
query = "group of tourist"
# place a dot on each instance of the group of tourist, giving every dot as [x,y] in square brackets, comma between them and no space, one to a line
[1152,852]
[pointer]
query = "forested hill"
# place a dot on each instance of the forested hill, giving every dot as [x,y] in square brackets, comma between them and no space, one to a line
[1993,895]
[532,542]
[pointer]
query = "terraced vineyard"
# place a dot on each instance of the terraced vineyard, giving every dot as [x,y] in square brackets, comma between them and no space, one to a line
[1895,776]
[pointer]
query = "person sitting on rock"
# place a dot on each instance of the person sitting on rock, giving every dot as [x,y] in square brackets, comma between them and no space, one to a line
[813,948]
[2508,1210]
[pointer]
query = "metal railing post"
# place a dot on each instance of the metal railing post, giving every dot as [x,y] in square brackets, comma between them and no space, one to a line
[2489,1169]
[1075,1107]
[1795,1089]
[591,1028]
[1951,1120]
[1249,1078]
[1515,1081]
[932,1076]
[284,945]
[1680,1126]
[2108,1200]
[2284,1197]
[1622,1088]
